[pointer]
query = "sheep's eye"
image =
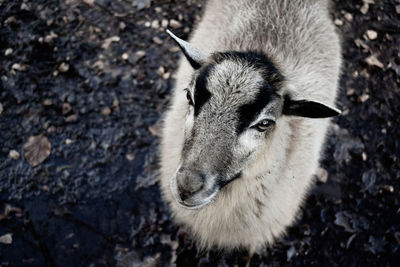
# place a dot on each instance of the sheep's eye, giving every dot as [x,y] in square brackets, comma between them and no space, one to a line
[189,98]
[263,125]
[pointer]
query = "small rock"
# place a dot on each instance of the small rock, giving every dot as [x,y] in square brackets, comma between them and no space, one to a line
[350,92]
[6,239]
[388,188]
[24,6]
[157,40]
[122,26]
[345,112]
[130,156]
[51,129]
[11,20]
[164,23]
[141,4]
[338,22]
[364,97]
[47,102]
[322,175]
[1,108]
[398,9]
[361,43]
[19,67]
[36,149]
[71,118]
[364,8]
[13,154]
[64,67]
[68,141]
[49,38]
[364,156]
[8,51]
[125,56]
[290,253]
[116,104]
[140,54]
[174,24]
[343,219]
[348,17]
[107,42]
[89,2]
[160,71]
[166,75]
[174,49]
[372,35]
[373,61]
[156,128]
[155,24]
[45,188]
[106,111]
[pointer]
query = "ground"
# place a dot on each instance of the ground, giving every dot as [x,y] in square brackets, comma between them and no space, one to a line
[83,86]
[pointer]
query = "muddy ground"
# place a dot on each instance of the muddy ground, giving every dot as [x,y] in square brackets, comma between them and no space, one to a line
[90,80]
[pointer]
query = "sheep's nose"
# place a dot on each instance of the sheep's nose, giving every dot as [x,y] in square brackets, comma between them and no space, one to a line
[189,184]
[185,193]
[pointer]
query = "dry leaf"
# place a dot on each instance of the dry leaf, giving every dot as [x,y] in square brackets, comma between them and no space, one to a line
[37,149]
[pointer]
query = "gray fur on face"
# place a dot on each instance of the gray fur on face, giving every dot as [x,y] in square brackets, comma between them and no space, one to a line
[236,90]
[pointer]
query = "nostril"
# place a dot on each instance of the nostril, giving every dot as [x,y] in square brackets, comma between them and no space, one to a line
[185,193]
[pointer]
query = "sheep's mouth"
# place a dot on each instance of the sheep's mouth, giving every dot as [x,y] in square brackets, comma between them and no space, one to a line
[222,184]
[197,204]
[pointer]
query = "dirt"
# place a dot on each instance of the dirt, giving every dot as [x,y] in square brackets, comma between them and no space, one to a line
[93,77]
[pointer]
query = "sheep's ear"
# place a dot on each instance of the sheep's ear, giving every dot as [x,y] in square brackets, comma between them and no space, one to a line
[307,108]
[195,57]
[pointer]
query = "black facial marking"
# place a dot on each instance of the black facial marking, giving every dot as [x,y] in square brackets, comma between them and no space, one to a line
[201,94]
[248,112]
[272,78]
[256,59]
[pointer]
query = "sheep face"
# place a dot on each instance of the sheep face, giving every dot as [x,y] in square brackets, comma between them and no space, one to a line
[234,101]
[232,107]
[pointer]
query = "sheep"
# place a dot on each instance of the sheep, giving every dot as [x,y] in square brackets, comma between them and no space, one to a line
[242,138]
